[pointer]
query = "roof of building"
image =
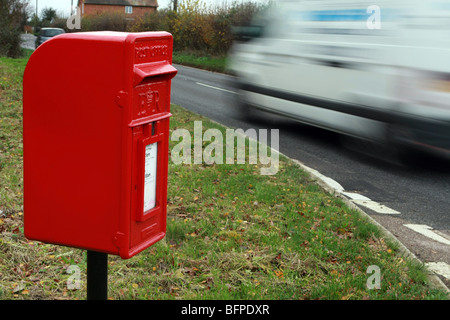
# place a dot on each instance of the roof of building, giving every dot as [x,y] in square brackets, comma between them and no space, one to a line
[134,3]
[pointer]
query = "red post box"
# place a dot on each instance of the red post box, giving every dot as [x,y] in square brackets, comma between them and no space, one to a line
[96,110]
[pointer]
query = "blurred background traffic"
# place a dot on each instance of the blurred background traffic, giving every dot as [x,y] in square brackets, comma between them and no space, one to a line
[375,70]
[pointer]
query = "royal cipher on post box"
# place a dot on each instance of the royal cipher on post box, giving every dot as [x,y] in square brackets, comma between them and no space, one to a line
[96,110]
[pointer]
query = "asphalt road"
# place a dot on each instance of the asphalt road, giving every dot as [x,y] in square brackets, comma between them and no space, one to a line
[419,195]
[28,41]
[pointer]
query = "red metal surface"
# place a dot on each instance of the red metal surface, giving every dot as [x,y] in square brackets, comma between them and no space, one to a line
[92,103]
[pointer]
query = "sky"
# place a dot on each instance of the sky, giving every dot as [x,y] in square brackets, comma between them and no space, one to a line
[165,3]
[63,6]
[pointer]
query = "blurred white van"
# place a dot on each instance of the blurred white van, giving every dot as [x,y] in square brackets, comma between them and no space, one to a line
[376,70]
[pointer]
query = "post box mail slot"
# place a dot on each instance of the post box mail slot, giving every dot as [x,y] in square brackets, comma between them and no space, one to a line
[96,110]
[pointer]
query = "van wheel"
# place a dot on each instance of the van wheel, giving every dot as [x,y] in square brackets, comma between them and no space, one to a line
[408,156]
[405,154]
[244,110]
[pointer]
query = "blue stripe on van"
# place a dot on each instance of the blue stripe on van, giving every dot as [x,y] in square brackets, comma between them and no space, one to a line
[345,15]
[336,15]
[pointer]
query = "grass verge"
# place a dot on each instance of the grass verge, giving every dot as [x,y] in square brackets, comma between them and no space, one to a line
[201,61]
[11,144]
[232,234]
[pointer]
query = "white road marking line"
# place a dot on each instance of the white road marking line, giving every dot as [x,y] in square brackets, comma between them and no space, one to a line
[330,182]
[441,268]
[359,199]
[375,206]
[216,88]
[356,198]
[427,231]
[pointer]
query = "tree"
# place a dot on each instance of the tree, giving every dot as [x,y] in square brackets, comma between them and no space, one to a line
[13,17]
[48,16]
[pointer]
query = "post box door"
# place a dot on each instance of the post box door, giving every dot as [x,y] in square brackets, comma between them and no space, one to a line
[150,114]
[148,211]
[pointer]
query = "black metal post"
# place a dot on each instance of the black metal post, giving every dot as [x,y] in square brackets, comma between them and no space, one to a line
[97,275]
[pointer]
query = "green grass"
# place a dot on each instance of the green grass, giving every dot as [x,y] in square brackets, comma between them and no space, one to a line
[11,145]
[206,62]
[232,233]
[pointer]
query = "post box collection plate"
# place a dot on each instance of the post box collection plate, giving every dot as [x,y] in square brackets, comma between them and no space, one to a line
[96,109]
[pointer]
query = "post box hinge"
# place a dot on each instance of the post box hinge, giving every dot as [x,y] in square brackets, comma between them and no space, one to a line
[119,240]
[122,99]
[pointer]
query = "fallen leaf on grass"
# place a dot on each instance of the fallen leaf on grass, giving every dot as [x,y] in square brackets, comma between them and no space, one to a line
[18,287]
[279,273]
[332,260]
